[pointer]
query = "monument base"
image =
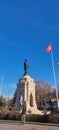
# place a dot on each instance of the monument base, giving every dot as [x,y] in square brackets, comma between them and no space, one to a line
[26,89]
[33,110]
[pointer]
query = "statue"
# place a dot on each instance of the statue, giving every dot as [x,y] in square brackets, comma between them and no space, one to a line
[26,67]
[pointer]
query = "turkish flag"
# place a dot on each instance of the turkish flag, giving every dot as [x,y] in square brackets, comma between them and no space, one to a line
[48,48]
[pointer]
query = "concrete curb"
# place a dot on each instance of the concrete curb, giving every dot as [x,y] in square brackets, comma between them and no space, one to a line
[20,122]
[45,124]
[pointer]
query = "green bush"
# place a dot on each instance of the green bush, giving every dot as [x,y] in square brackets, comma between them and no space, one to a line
[1,102]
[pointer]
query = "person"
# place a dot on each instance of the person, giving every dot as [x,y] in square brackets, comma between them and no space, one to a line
[24,112]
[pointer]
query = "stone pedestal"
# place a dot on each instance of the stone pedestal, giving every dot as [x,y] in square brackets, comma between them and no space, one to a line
[26,89]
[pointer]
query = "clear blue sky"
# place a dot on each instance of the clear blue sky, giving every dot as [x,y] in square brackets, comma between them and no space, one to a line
[26,27]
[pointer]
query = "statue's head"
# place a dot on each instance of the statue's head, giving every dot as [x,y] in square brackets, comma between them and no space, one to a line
[25,60]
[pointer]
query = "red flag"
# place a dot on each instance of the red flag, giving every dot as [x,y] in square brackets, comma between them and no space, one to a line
[48,48]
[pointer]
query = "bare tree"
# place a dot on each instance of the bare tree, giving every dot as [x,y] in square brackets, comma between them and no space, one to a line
[43,92]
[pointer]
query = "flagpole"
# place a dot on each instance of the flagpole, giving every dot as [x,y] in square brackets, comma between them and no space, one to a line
[54,78]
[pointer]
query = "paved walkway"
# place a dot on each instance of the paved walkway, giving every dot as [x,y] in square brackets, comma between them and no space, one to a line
[20,126]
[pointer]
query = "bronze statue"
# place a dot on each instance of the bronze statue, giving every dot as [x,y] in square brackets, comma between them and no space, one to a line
[25,67]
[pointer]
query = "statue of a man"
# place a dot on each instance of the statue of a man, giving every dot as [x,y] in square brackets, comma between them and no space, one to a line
[25,66]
